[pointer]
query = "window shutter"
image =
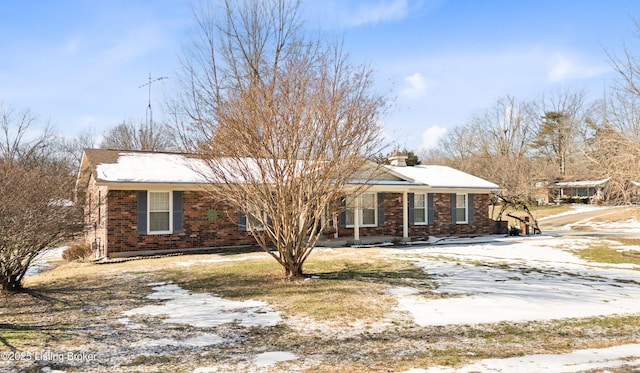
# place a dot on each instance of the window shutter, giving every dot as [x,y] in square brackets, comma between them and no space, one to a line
[453,208]
[470,208]
[177,211]
[142,212]
[380,209]
[242,221]
[410,203]
[430,210]
[343,213]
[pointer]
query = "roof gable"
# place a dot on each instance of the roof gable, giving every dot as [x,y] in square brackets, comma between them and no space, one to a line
[443,177]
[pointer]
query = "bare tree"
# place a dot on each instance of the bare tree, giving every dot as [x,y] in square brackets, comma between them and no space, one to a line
[72,148]
[563,114]
[459,146]
[141,136]
[628,67]
[36,188]
[505,131]
[495,144]
[613,146]
[283,120]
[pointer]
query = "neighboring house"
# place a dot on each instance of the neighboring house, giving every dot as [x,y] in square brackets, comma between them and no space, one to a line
[142,203]
[541,192]
[590,191]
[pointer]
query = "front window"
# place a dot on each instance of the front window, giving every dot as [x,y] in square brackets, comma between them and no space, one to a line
[420,208]
[461,208]
[367,212]
[581,192]
[159,212]
[254,224]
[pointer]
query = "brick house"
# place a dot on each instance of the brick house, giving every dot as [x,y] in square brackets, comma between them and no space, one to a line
[142,203]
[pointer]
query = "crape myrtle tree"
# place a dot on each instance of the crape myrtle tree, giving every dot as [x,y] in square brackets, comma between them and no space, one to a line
[36,186]
[284,121]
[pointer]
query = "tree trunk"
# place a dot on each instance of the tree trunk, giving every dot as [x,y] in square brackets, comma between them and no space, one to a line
[10,284]
[293,270]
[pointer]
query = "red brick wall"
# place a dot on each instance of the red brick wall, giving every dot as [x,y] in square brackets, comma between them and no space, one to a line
[442,226]
[197,232]
[120,213]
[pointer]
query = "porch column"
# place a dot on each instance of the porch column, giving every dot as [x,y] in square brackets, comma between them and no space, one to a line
[356,219]
[405,216]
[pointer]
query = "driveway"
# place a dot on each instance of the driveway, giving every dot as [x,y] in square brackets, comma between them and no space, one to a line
[592,221]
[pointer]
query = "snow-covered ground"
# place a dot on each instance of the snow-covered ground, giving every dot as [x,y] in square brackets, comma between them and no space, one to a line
[203,310]
[623,226]
[45,260]
[523,280]
[507,279]
[516,280]
[576,361]
[482,280]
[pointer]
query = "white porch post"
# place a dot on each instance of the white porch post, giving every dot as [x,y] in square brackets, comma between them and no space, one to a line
[356,219]
[405,216]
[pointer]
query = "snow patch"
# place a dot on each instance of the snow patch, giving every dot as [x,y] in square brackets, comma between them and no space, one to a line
[194,342]
[517,281]
[43,262]
[576,361]
[205,310]
[623,226]
[575,209]
[266,359]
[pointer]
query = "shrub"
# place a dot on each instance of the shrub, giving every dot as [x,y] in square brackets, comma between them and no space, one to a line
[77,251]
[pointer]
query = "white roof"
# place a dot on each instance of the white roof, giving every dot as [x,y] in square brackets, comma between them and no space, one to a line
[152,168]
[583,183]
[174,168]
[443,177]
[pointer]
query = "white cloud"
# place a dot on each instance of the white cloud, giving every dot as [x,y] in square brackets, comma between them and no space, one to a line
[564,68]
[348,14]
[415,85]
[431,136]
[380,12]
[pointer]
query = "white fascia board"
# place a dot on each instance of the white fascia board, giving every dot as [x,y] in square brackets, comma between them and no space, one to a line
[152,186]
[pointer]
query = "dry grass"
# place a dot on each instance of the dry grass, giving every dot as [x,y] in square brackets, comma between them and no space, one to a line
[618,214]
[348,288]
[548,210]
[343,321]
[604,253]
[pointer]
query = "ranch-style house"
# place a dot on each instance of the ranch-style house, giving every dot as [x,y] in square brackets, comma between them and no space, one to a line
[144,203]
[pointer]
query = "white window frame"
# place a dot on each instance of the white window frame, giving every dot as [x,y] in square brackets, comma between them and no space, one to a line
[424,207]
[257,226]
[170,211]
[465,198]
[350,210]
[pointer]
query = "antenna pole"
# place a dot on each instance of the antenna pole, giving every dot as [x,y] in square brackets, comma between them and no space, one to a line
[149,113]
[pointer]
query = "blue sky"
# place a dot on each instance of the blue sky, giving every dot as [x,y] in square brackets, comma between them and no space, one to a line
[79,64]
